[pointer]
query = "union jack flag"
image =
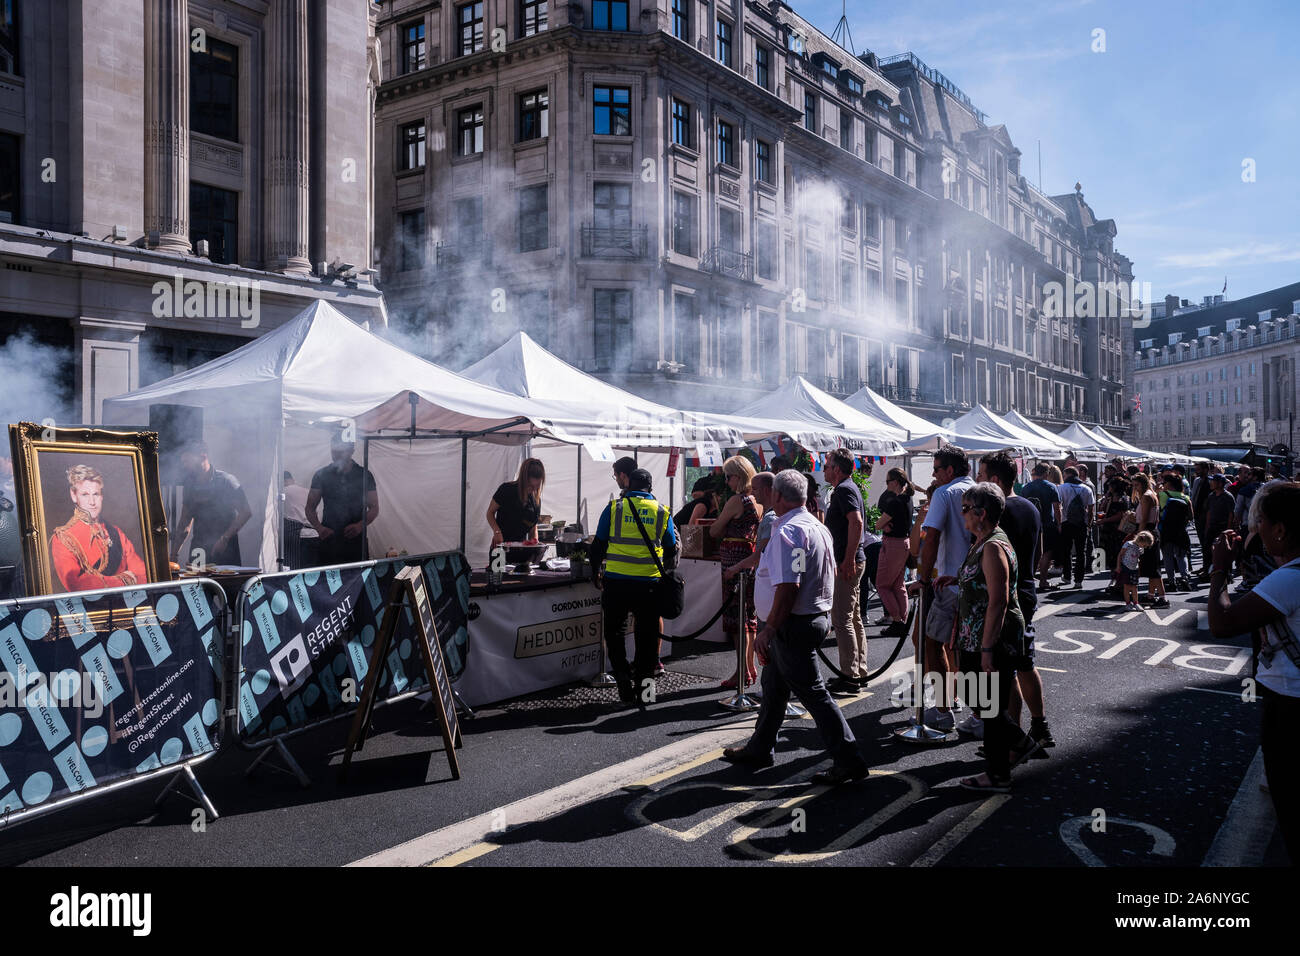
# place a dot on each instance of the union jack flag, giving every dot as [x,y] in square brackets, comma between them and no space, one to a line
[1137,402]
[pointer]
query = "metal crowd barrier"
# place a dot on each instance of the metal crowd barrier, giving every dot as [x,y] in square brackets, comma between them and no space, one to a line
[104,689]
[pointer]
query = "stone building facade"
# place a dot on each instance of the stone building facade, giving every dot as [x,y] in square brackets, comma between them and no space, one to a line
[1225,374]
[699,200]
[220,142]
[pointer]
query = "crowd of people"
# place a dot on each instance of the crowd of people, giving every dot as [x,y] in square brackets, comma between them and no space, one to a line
[985,550]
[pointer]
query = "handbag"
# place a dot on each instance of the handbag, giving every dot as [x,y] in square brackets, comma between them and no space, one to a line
[670,590]
[1129,523]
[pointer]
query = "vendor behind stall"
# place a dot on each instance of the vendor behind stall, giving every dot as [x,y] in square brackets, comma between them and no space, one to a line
[516,506]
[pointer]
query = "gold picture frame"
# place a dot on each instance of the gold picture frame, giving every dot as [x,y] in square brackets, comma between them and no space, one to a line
[116,539]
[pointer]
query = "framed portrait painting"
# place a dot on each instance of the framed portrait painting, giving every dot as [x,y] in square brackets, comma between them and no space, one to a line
[89,508]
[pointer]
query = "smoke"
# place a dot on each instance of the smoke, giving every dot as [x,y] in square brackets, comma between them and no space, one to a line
[36,382]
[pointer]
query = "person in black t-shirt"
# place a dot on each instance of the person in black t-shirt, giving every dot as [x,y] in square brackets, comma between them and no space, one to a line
[216,507]
[845,520]
[895,527]
[1023,525]
[351,502]
[516,506]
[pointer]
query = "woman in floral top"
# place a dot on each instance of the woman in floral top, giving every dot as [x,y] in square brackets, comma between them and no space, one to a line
[990,633]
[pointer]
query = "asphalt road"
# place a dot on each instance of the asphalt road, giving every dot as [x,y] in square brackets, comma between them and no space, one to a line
[1155,751]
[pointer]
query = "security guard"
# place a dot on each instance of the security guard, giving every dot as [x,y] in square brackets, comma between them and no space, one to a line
[629,577]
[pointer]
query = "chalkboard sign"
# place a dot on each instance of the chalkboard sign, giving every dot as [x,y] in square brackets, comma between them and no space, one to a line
[408,585]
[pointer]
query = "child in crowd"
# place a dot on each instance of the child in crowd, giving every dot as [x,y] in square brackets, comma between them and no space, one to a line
[1130,556]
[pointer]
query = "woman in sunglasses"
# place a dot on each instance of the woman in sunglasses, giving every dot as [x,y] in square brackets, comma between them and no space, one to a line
[990,633]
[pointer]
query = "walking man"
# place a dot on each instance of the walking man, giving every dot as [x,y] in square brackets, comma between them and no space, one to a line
[844,520]
[1077,504]
[793,591]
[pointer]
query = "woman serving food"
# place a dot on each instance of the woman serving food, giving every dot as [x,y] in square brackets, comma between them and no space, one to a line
[516,506]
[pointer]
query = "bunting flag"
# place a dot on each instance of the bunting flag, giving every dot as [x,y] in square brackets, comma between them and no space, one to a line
[780,444]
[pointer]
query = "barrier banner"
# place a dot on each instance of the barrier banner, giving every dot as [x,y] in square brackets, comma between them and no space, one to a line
[97,687]
[306,638]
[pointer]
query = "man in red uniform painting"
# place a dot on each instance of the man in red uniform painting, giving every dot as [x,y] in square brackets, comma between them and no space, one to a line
[87,553]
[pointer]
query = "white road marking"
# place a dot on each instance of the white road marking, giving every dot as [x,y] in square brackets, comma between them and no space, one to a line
[1211,690]
[1071,830]
[962,830]
[657,765]
[1248,827]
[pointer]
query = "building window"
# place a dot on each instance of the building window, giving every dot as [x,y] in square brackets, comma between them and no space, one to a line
[413,47]
[532,17]
[763,162]
[682,20]
[871,221]
[214,90]
[854,84]
[810,112]
[469,17]
[900,234]
[469,130]
[682,123]
[609,15]
[685,228]
[763,67]
[848,212]
[794,43]
[613,315]
[534,216]
[686,333]
[724,43]
[10,156]
[875,285]
[848,284]
[727,144]
[767,261]
[412,152]
[9,37]
[534,115]
[846,130]
[612,206]
[411,250]
[613,106]
[901,299]
[812,263]
[214,216]
[900,160]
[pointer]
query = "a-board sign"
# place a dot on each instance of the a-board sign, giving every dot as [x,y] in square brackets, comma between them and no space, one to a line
[408,594]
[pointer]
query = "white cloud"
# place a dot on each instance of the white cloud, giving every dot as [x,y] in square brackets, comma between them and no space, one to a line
[1251,253]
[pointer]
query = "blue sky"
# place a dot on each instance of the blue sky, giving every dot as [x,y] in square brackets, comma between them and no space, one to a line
[1156,128]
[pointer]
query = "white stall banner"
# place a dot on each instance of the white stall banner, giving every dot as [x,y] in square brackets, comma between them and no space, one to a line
[526,641]
[599,450]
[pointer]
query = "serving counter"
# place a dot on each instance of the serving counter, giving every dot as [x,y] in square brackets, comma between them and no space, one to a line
[530,632]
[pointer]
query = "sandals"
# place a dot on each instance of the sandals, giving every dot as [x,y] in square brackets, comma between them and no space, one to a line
[991,785]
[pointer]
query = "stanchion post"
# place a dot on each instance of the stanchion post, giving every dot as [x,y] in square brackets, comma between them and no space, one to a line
[742,701]
[918,733]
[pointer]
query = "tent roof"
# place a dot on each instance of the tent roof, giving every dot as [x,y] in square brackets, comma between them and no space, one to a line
[1016,420]
[981,430]
[586,408]
[921,433]
[322,366]
[1075,436]
[801,402]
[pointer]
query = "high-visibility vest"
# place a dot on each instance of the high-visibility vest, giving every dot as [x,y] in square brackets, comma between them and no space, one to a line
[628,554]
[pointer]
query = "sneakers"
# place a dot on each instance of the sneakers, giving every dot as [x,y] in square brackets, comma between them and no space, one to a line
[972,726]
[937,719]
[1076,586]
[895,629]
[659,670]
[841,773]
[1162,602]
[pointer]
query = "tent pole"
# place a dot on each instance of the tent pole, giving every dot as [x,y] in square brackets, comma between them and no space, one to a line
[365,470]
[279,498]
[577,505]
[464,468]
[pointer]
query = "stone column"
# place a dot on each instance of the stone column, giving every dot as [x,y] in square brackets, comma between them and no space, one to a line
[167,123]
[287,169]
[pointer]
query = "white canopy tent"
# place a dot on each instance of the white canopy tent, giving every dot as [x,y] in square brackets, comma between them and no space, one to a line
[921,434]
[271,406]
[817,420]
[979,430]
[602,417]
[1086,445]
[1016,420]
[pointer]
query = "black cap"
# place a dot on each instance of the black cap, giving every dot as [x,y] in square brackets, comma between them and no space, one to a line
[639,480]
[1219,477]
